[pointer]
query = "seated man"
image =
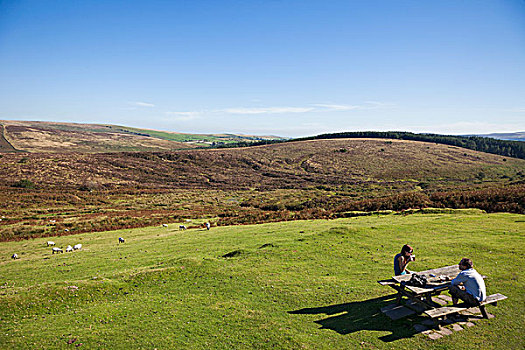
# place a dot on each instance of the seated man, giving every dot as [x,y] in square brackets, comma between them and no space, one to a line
[473,291]
[402,259]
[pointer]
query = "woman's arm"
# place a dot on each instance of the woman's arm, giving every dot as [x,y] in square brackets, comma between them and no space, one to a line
[402,263]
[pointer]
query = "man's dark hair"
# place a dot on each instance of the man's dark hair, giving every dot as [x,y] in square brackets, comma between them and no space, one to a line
[466,262]
[406,249]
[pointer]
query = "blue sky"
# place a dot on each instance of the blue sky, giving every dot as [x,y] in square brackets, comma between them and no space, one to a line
[288,68]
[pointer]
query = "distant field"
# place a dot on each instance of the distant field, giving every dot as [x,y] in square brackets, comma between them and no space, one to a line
[291,285]
[34,136]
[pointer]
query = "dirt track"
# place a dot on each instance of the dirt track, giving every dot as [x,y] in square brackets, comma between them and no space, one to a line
[5,146]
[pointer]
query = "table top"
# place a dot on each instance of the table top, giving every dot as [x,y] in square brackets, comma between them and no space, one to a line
[433,277]
[433,274]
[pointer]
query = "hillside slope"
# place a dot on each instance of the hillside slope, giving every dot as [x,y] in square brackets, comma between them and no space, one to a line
[290,165]
[49,193]
[34,137]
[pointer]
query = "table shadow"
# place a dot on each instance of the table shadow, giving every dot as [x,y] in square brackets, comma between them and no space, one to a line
[361,315]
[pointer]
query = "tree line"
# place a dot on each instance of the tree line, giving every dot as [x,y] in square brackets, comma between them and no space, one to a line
[515,149]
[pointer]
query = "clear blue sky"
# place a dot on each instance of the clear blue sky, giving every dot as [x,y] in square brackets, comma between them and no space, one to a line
[289,68]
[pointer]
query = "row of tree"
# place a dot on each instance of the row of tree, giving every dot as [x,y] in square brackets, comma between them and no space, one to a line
[506,148]
[515,149]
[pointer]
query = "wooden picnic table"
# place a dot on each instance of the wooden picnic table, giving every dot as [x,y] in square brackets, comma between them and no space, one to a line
[420,298]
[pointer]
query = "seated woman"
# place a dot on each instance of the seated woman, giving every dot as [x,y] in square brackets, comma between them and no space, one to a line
[402,259]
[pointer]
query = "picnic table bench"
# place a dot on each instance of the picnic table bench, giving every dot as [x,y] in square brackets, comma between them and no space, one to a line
[447,310]
[420,298]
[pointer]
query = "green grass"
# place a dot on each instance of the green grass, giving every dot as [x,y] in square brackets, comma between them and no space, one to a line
[181,137]
[301,284]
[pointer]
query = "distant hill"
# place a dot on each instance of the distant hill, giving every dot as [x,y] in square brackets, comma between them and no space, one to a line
[512,136]
[297,164]
[85,192]
[54,137]
[505,148]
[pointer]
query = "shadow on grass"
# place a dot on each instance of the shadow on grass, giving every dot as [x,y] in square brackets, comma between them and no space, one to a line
[359,316]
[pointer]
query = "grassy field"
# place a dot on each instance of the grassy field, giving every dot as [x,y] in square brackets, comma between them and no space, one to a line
[292,285]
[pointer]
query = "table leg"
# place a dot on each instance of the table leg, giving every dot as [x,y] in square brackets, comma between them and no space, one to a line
[398,298]
[483,311]
[429,298]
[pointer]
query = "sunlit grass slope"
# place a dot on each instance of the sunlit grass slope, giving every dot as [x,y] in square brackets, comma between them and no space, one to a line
[301,284]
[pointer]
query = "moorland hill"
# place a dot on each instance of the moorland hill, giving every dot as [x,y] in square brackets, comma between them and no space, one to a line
[54,137]
[296,165]
[285,181]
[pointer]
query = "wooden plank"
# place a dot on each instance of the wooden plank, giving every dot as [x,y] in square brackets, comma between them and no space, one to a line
[417,306]
[389,307]
[399,312]
[442,311]
[430,289]
[493,299]
[387,282]
[446,310]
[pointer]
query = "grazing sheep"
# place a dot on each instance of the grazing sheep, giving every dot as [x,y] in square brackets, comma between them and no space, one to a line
[57,250]
[14,256]
[120,240]
[165,225]
[182,227]
[50,243]
[66,230]
[77,246]
[208,226]
[69,249]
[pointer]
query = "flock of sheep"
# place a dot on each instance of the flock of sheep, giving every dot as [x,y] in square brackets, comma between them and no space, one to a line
[55,249]
[60,250]
[79,246]
[68,249]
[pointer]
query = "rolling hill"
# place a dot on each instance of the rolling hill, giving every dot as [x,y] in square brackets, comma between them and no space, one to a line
[37,136]
[284,181]
[290,165]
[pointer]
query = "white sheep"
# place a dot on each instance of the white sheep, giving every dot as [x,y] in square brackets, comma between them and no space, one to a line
[77,246]
[50,243]
[57,250]
[120,240]
[69,249]
[182,227]
[14,256]
[165,225]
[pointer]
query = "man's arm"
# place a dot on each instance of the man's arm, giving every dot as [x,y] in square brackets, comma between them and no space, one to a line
[459,279]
